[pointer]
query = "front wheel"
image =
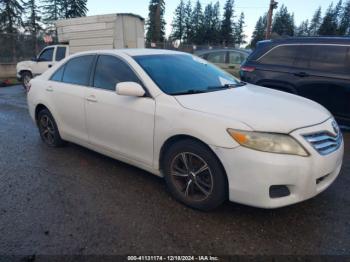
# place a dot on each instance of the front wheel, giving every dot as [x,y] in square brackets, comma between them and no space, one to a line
[194,175]
[26,77]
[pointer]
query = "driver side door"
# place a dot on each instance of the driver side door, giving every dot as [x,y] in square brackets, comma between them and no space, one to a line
[44,61]
[122,125]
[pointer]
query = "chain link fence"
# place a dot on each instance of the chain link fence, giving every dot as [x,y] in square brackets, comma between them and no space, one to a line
[19,47]
[189,48]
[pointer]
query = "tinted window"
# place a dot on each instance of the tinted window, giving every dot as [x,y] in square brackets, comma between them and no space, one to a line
[78,70]
[46,55]
[110,71]
[60,53]
[57,76]
[217,57]
[235,58]
[330,58]
[281,55]
[177,74]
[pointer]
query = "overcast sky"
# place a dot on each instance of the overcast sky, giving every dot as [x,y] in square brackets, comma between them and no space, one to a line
[252,9]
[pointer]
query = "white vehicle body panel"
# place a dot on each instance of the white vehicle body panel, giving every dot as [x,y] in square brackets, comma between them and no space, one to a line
[134,130]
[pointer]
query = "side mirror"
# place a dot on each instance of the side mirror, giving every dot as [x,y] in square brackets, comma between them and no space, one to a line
[130,89]
[34,59]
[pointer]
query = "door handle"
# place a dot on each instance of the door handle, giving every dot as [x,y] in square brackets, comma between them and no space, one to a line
[49,89]
[91,99]
[49,66]
[301,74]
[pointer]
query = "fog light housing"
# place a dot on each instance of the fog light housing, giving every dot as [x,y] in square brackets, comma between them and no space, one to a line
[279,191]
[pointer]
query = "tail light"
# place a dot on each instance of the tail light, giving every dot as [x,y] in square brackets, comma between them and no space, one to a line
[248,69]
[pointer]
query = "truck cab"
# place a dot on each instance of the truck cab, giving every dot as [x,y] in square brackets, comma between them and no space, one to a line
[50,55]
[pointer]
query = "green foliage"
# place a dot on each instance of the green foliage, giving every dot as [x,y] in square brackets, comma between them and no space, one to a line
[303,29]
[178,23]
[239,31]
[197,21]
[259,31]
[156,23]
[227,24]
[315,22]
[344,27]
[283,22]
[188,29]
[51,10]
[10,16]
[33,18]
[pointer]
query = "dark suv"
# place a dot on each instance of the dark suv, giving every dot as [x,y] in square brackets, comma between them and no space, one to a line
[316,68]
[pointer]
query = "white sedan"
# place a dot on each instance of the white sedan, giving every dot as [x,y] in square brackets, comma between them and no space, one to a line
[177,116]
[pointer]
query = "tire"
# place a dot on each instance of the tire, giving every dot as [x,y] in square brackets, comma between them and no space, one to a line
[48,129]
[207,189]
[26,77]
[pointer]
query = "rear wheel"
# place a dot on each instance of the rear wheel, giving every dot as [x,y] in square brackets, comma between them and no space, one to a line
[26,77]
[194,175]
[48,129]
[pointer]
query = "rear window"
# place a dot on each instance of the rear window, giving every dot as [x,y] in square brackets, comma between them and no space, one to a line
[60,53]
[282,55]
[333,59]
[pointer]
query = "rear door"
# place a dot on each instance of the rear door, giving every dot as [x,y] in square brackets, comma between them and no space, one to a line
[235,59]
[218,58]
[327,79]
[68,86]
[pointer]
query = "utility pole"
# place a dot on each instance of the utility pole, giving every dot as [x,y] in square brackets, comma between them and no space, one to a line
[273,5]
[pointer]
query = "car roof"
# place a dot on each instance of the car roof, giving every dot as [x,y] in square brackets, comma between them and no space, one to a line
[266,45]
[133,52]
[207,51]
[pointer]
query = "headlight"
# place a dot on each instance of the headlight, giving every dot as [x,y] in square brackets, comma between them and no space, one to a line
[268,142]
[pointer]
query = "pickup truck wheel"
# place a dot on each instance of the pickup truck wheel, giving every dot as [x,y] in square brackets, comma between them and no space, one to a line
[26,77]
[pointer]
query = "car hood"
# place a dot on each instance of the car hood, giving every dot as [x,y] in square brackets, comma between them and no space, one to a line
[25,64]
[260,108]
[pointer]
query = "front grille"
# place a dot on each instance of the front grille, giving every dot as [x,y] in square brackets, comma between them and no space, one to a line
[324,142]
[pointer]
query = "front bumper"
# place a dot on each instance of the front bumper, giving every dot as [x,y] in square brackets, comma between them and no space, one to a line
[251,173]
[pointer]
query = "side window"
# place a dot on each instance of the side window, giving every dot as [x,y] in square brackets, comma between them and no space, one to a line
[60,53]
[110,71]
[46,55]
[235,58]
[217,57]
[78,70]
[330,58]
[281,55]
[57,76]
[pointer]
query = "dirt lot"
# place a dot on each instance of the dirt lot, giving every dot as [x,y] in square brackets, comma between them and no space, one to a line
[74,201]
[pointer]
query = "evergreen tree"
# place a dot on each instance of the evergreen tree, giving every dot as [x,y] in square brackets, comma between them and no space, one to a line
[51,10]
[32,23]
[156,23]
[344,27]
[197,23]
[303,29]
[76,8]
[227,23]
[178,24]
[188,30]
[239,35]
[283,23]
[259,31]
[10,16]
[215,29]
[207,23]
[329,25]
[315,22]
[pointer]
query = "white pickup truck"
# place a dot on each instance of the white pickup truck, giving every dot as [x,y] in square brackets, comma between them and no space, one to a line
[100,32]
[26,70]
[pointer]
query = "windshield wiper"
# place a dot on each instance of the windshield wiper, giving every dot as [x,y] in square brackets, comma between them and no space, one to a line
[227,86]
[189,92]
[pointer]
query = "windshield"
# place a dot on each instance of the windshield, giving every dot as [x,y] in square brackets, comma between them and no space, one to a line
[185,74]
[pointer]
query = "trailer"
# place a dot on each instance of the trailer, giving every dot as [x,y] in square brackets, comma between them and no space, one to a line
[99,32]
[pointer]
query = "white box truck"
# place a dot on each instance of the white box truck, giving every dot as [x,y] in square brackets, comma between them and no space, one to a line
[113,31]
